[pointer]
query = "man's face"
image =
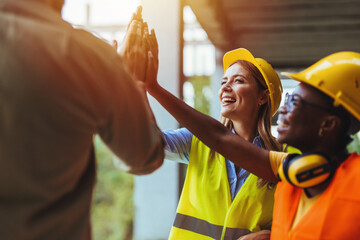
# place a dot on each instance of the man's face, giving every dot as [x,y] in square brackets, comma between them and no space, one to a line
[300,118]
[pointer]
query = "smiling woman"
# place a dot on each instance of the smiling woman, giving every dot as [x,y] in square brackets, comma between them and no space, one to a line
[247,105]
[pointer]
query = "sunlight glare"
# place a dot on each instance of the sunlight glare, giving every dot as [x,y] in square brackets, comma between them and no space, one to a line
[102,12]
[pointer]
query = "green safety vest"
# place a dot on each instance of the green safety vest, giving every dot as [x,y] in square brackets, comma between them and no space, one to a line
[205,209]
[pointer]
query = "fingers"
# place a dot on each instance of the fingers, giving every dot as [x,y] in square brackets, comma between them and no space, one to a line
[154,39]
[131,20]
[136,28]
[115,45]
[145,28]
[137,16]
[153,36]
[138,13]
[153,44]
[150,61]
[153,33]
[137,36]
[131,34]
[150,66]
[148,43]
[151,70]
[139,39]
[146,36]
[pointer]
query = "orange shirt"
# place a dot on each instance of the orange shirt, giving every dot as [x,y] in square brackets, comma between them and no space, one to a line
[276,158]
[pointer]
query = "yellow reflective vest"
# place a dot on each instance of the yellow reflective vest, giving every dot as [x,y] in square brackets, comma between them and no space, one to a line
[205,209]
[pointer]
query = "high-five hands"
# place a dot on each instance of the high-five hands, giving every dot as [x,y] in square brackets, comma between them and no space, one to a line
[133,49]
[140,50]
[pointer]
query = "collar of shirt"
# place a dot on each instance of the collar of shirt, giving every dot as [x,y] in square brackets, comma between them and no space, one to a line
[237,178]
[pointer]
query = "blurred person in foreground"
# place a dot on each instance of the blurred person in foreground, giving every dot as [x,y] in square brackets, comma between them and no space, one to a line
[60,86]
[317,197]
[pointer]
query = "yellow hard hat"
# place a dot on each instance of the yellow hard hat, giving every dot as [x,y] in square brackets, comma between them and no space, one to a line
[338,76]
[272,79]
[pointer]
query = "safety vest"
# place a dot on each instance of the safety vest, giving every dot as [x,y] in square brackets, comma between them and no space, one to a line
[206,210]
[335,215]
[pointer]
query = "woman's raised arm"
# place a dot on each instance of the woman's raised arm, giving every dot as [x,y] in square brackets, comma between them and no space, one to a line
[208,130]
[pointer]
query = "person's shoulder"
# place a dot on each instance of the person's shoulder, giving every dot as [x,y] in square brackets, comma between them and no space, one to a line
[349,169]
[355,155]
[277,156]
[289,149]
[92,42]
[352,162]
[347,178]
[95,54]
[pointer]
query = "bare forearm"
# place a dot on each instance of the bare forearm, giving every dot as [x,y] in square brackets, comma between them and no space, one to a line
[215,135]
[195,121]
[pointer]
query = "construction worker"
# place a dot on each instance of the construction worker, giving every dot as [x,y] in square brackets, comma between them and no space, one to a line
[216,191]
[318,196]
[246,109]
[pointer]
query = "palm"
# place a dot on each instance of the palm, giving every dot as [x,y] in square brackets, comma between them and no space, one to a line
[133,49]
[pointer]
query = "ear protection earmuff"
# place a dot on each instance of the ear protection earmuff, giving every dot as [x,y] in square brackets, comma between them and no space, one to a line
[305,170]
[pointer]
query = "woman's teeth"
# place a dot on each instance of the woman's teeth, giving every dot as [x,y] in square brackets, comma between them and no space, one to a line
[228,100]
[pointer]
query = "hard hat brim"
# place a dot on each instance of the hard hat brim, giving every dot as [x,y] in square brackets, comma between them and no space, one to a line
[238,54]
[244,54]
[300,77]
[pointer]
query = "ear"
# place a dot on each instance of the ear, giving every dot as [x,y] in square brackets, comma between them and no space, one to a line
[330,123]
[264,97]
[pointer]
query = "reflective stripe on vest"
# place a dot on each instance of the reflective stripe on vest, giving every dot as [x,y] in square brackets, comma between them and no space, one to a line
[203,227]
[206,210]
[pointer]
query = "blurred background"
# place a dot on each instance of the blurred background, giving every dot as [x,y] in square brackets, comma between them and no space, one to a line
[193,35]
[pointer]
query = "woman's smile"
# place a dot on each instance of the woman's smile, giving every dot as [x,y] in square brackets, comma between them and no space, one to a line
[227,100]
[239,93]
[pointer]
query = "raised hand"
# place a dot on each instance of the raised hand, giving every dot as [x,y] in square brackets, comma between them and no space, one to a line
[153,60]
[133,49]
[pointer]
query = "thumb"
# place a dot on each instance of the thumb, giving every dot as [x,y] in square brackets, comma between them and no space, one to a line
[115,44]
[150,55]
[151,69]
[150,64]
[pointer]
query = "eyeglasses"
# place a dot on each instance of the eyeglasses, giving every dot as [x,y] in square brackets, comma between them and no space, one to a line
[292,100]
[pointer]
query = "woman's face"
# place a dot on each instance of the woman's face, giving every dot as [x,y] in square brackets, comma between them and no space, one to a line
[239,94]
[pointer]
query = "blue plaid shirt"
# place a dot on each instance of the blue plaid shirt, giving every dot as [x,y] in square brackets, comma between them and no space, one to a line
[177,148]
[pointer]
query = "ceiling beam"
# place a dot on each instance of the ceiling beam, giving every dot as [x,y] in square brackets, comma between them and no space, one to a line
[210,15]
[230,4]
[285,32]
[299,26]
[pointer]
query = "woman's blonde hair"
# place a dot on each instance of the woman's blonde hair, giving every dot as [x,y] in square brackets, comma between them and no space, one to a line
[268,141]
